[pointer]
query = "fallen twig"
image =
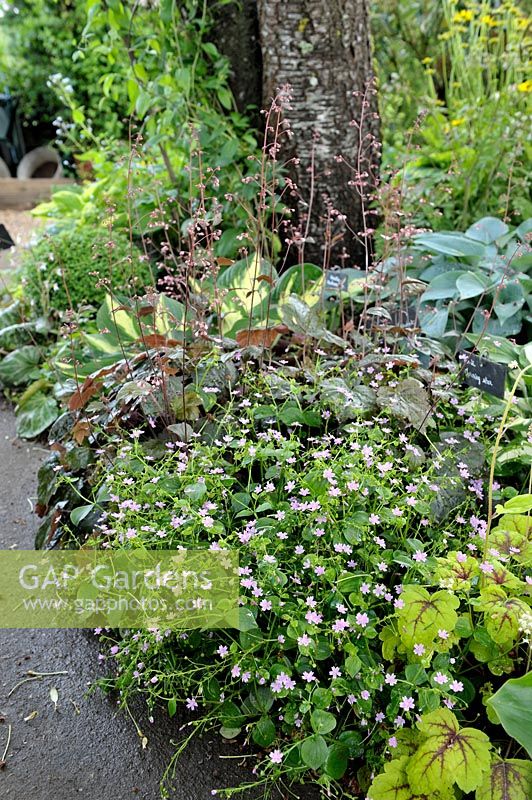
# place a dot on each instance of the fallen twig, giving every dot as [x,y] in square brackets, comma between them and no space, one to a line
[3,759]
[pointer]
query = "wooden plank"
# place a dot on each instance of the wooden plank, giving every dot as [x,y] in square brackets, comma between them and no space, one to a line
[26,193]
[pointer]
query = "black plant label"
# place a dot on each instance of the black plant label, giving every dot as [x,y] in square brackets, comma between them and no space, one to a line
[335,281]
[485,375]
[5,239]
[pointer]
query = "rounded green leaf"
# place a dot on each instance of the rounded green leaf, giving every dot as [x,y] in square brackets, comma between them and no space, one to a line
[337,760]
[322,721]
[513,706]
[314,751]
[263,732]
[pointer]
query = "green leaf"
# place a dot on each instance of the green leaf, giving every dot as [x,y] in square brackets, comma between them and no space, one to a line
[393,784]
[20,366]
[337,760]
[487,230]
[37,414]
[471,284]
[423,615]
[78,514]
[442,287]
[520,504]
[408,401]
[314,751]
[263,732]
[415,674]
[322,721]
[172,707]
[450,244]
[448,754]
[195,491]
[502,614]
[507,780]
[353,665]
[433,321]
[513,705]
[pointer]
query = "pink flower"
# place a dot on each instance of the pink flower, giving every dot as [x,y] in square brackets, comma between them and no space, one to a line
[456,686]
[308,677]
[441,678]
[419,649]
[419,555]
[192,703]
[392,741]
[407,703]
[276,756]
[390,679]
[362,619]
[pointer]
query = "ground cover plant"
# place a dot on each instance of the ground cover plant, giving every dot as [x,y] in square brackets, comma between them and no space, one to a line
[376,614]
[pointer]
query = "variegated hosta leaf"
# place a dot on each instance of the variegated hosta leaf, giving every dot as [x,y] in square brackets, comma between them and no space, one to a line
[502,614]
[423,615]
[448,755]
[507,780]
[393,784]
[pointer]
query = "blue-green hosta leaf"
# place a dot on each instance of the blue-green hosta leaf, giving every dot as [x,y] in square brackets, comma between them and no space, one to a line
[433,321]
[471,284]
[487,230]
[448,754]
[36,415]
[20,366]
[442,287]
[507,780]
[393,784]
[510,327]
[513,707]
[424,614]
[450,244]
[510,300]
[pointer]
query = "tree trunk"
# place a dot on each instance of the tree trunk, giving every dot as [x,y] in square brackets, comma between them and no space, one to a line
[236,35]
[322,49]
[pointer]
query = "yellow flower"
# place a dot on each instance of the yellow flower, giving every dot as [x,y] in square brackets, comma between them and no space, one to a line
[526,86]
[458,121]
[488,20]
[427,60]
[463,16]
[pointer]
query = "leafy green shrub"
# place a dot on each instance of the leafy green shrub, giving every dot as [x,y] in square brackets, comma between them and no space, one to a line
[76,267]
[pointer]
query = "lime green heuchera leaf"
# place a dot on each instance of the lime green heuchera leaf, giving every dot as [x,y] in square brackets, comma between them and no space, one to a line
[448,755]
[457,570]
[502,614]
[393,784]
[424,614]
[513,537]
[507,780]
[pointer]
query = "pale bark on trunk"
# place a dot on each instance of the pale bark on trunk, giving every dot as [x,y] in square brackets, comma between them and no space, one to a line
[322,49]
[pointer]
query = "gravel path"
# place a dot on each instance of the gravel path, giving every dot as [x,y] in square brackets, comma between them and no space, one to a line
[87,748]
[21,226]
